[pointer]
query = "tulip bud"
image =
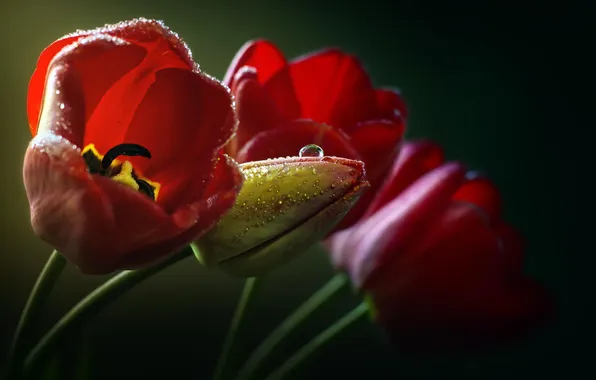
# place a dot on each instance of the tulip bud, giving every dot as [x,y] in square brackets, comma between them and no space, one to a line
[285,206]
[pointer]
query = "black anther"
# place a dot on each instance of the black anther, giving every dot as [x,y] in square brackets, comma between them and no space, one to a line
[124,150]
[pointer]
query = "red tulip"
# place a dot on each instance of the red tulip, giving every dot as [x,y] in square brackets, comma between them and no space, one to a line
[438,263]
[130,89]
[325,98]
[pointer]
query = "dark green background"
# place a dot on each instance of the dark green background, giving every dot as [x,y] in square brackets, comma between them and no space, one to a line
[501,88]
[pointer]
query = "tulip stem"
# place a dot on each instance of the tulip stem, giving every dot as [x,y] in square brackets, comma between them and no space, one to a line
[92,304]
[289,324]
[245,298]
[44,284]
[325,336]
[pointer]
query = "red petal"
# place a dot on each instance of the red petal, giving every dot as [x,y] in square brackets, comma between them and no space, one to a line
[289,139]
[463,252]
[149,34]
[512,247]
[272,72]
[254,106]
[454,295]
[481,192]
[119,103]
[38,80]
[105,72]
[399,223]
[415,159]
[98,62]
[63,113]
[333,88]
[90,220]
[183,119]
[391,105]
[356,212]
[97,223]
[260,54]
[281,90]
[218,198]
[378,143]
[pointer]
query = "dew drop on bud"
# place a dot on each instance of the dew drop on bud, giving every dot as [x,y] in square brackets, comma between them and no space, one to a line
[311,150]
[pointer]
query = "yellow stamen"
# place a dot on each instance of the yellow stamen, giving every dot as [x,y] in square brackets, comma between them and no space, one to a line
[126,176]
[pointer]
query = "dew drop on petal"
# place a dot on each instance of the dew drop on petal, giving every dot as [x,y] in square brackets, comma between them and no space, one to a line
[311,150]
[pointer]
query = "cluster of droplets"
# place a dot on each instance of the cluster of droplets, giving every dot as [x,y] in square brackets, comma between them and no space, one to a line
[266,201]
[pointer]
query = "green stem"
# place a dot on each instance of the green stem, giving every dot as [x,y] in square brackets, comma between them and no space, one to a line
[245,297]
[41,290]
[318,341]
[87,308]
[289,324]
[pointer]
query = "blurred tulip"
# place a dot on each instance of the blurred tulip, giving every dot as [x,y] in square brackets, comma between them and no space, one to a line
[432,254]
[285,206]
[129,89]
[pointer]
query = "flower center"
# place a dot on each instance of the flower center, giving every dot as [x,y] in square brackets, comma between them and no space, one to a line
[123,172]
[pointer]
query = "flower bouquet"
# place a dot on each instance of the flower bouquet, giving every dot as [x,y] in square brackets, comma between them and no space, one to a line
[138,160]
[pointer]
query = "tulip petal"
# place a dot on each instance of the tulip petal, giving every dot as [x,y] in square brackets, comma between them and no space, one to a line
[99,62]
[398,224]
[255,107]
[414,160]
[455,294]
[72,211]
[118,105]
[272,73]
[63,105]
[96,222]
[357,210]
[512,247]
[38,79]
[183,119]
[287,140]
[263,55]
[219,196]
[378,143]
[481,192]
[391,105]
[152,35]
[333,88]
[281,89]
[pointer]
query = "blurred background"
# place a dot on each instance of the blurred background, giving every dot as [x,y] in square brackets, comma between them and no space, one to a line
[508,90]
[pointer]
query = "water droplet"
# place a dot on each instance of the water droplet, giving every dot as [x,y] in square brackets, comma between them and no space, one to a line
[311,150]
